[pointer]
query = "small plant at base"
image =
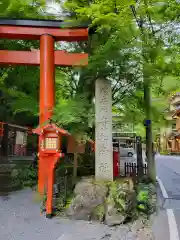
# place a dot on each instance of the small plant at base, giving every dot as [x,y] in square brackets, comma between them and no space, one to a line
[99,212]
[68,202]
[123,197]
[142,200]
[146,198]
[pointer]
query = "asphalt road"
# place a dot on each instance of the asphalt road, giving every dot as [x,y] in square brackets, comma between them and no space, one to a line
[168,171]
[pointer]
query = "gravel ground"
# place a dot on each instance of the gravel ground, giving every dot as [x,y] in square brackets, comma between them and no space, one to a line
[20,219]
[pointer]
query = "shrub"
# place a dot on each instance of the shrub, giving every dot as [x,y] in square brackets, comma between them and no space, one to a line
[146,198]
[124,198]
[164,152]
[26,176]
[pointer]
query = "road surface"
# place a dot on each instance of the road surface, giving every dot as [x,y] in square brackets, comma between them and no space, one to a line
[168,173]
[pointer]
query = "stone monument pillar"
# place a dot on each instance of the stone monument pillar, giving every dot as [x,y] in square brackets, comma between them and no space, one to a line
[103,121]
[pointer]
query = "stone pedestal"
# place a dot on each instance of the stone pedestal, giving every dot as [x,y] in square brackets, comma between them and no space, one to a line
[103,120]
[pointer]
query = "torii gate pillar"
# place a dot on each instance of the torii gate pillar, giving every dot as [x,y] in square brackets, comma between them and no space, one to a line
[47,78]
[46,95]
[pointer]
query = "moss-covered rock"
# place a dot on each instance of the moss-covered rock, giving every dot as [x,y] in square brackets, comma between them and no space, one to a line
[88,197]
[99,212]
[112,202]
[121,202]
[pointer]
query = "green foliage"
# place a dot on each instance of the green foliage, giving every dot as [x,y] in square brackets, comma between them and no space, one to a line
[165,152]
[107,20]
[20,8]
[117,56]
[146,197]
[142,199]
[26,176]
[72,113]
[63,204]
[99,212]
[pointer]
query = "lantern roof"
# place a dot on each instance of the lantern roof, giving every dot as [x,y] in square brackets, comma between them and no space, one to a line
[50,125]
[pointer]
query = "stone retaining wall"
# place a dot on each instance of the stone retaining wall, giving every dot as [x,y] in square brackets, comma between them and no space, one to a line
[7,184]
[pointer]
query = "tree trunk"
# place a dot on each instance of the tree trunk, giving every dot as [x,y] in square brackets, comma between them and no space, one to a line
[75,166]
[149,140]
[147,108]
[147,94]
[139,158]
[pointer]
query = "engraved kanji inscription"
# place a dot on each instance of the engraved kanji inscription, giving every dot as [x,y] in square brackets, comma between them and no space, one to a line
[103,147]
[102,136]
[103,167]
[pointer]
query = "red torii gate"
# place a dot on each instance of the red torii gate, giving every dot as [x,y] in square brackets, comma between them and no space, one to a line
[47,31]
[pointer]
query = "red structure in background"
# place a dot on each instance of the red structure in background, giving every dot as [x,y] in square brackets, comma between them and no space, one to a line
[13,140]
[116,159]
[1,129]
[47,32]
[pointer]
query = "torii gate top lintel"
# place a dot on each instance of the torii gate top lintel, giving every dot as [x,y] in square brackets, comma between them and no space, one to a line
[33,29]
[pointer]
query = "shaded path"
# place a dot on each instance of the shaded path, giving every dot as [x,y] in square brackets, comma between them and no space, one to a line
[20,219]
